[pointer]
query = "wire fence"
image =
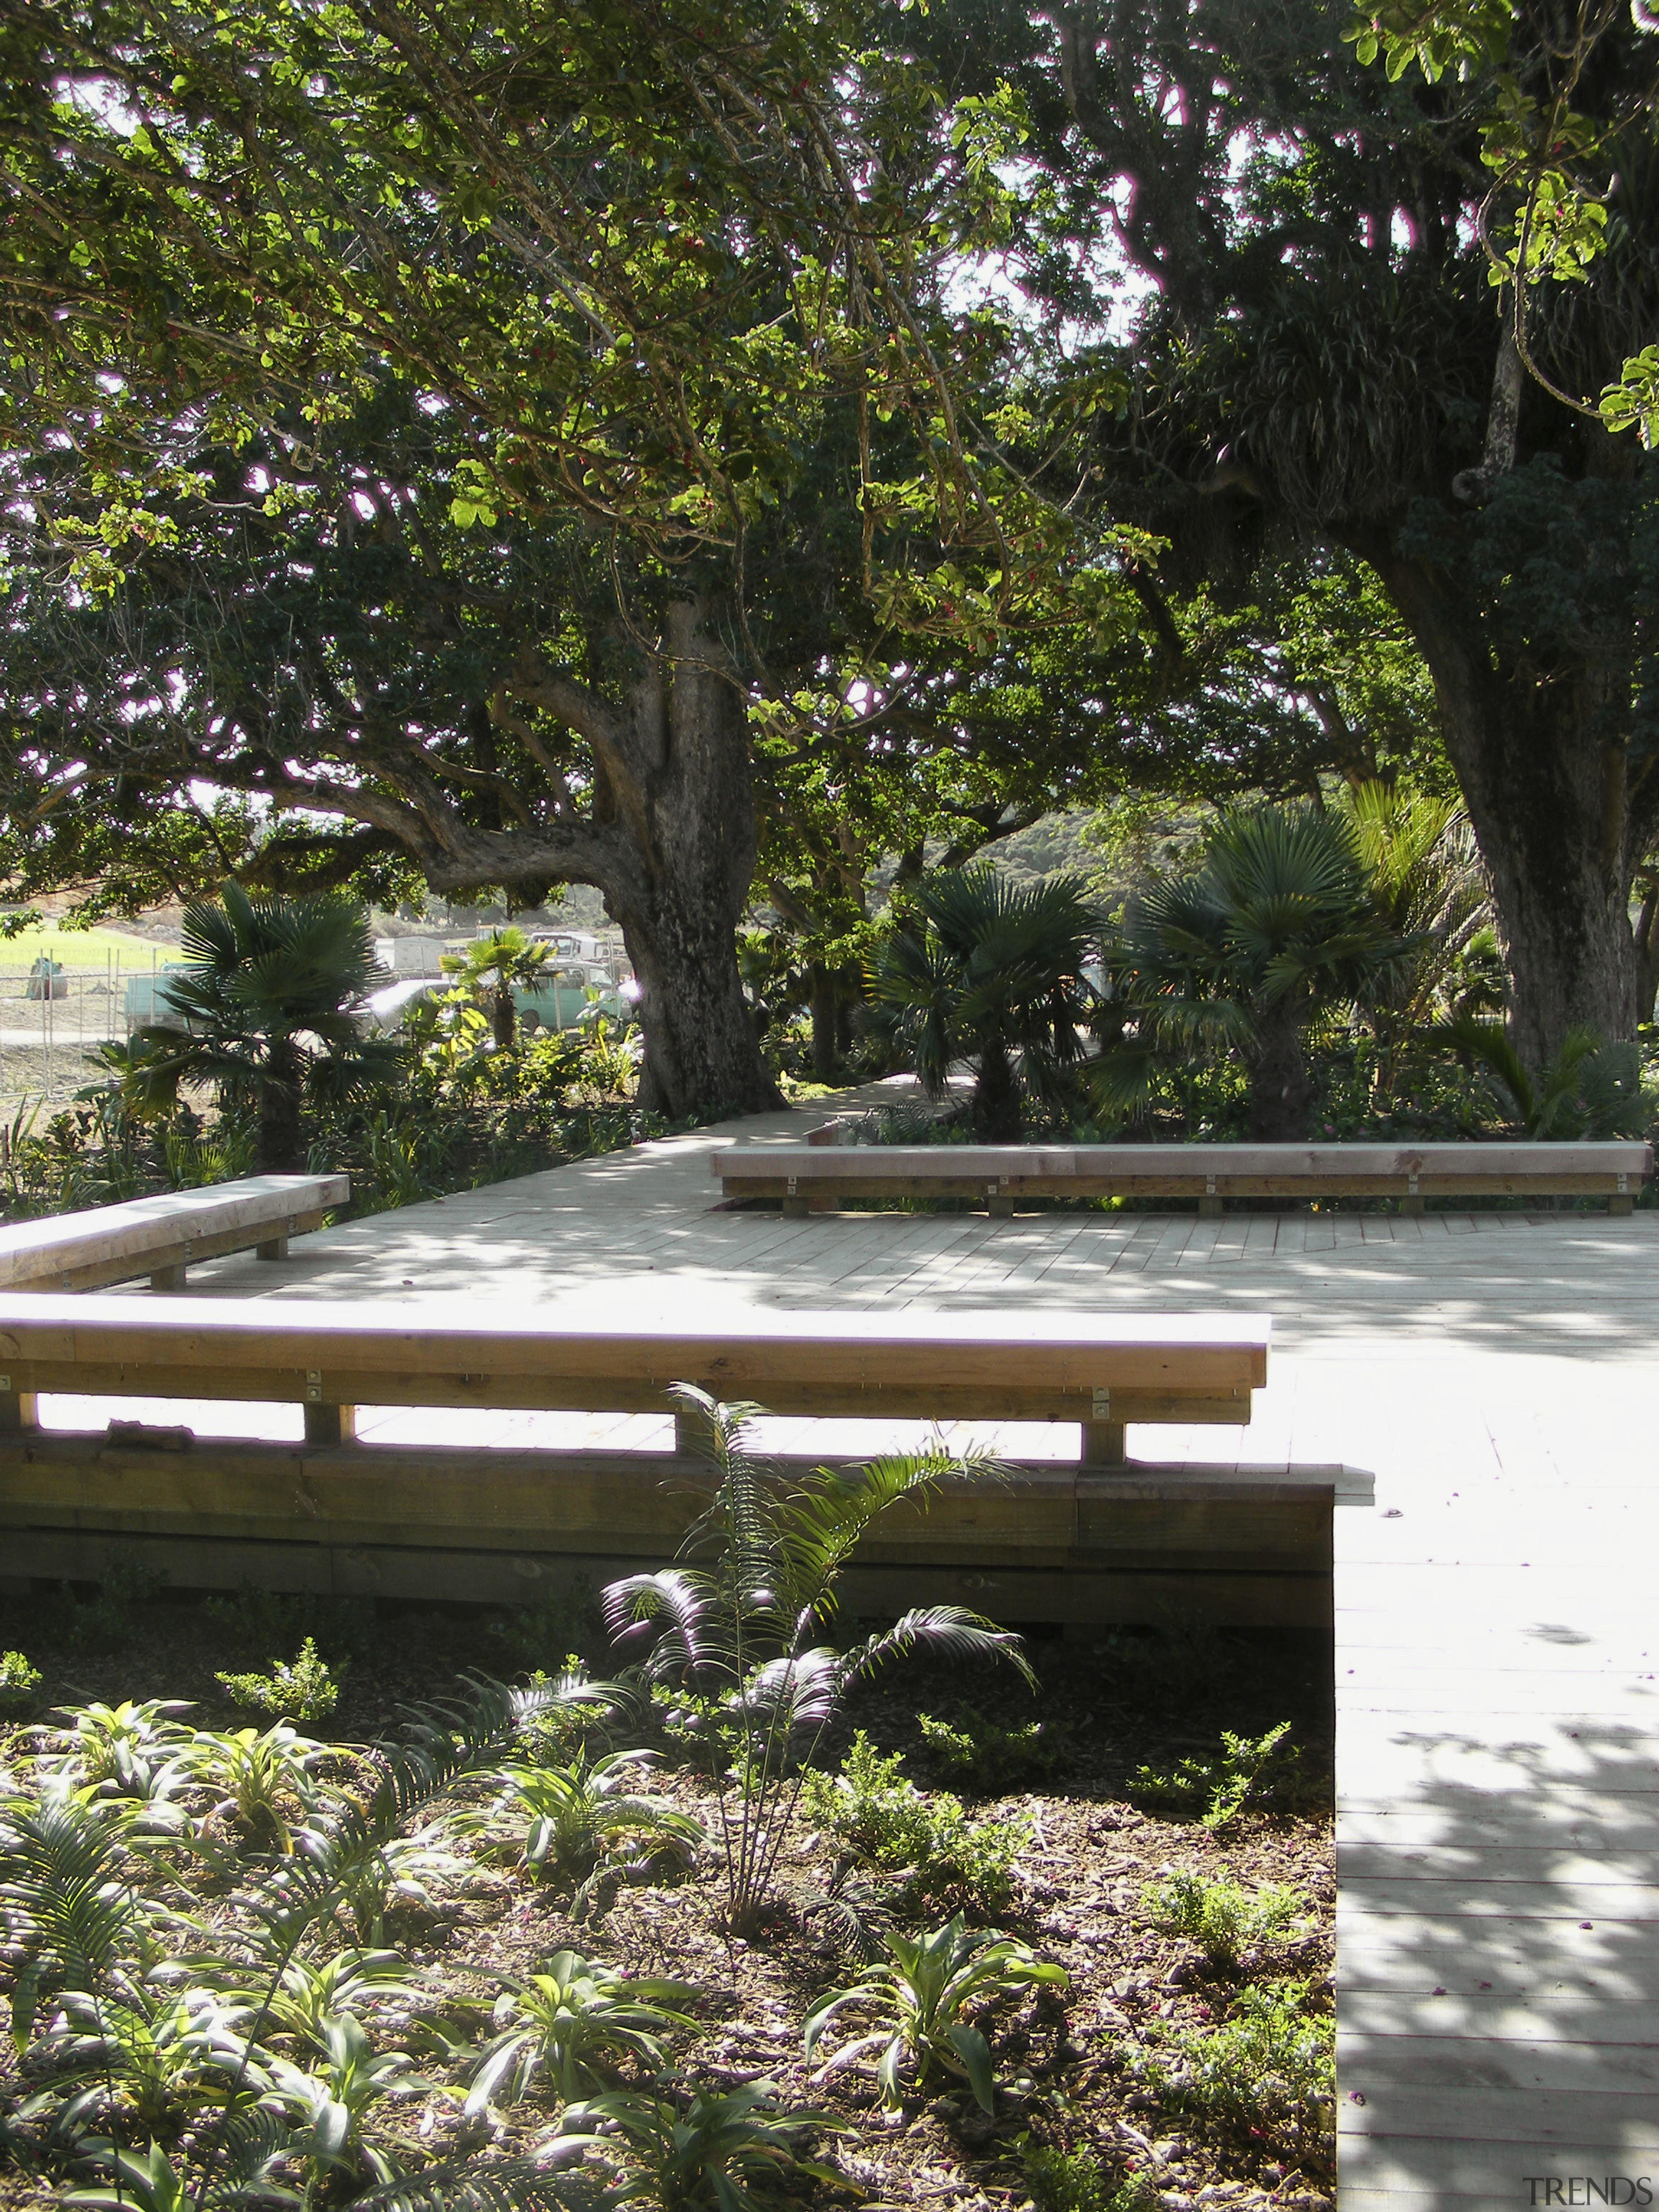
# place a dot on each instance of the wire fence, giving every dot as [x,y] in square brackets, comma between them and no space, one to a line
[52,1022]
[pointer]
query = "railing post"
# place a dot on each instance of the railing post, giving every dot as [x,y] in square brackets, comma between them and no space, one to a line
[17,1409]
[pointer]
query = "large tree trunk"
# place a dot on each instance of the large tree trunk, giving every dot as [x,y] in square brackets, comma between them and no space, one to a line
[996,1096]
[686,801]
[1544,772]
[668,837]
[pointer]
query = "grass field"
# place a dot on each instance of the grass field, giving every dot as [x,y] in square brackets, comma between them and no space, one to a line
[81,949]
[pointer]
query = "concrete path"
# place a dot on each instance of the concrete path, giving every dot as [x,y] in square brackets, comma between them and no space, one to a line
[1498,1767]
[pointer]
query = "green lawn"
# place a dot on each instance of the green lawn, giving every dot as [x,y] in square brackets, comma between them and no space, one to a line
[81,949]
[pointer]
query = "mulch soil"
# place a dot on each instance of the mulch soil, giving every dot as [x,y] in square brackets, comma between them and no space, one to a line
[1070,2065]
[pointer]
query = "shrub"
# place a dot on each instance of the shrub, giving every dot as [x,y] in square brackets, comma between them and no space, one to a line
[948,1862]
[714,2154]
[18,1682]
[1076,2181]
[1269,2067]
[987,1758]
[306,1691]
[1251,1770]
[575,2019]
[581,1819]
[738,1622]
[1222,1919]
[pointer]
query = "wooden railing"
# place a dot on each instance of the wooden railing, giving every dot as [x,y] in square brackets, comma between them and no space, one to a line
[1085,1540]
[820,1177]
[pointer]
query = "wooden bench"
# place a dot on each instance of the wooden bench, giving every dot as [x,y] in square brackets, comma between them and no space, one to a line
[161,1237]
[819,1177]
[1086,1539]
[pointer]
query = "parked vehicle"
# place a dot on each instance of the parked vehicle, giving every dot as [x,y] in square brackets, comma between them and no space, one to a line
[574,993]
[568,996]
[145,999]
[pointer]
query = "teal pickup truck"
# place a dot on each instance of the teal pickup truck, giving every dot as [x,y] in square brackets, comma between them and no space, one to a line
[560,1001]
[573,992]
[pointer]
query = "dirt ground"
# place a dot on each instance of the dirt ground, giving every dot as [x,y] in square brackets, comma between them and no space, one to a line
[1076,2068]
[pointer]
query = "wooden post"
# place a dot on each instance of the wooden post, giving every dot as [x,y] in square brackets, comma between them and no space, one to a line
[331,1424]
[1412,1204]
[168,1279]
[998,1207]
[794,1209]
[275,1247]
[1209,1208]
[17,1409]
[1621,1202]
[1103,1443]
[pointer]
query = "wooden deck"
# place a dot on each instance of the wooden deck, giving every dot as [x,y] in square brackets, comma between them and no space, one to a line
[1497,1644]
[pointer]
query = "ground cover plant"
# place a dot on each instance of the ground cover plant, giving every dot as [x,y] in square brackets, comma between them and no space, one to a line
[309,1966]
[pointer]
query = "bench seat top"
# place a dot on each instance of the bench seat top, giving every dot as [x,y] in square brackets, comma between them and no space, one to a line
[220,1343]
[991,1162]
[141,1226]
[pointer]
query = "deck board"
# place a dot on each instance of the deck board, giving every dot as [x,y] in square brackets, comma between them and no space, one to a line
[1491,1373]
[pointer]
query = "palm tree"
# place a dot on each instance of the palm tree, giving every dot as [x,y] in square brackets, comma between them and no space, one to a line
[491,967]
[263,1012]
[1278,923]
[1427,883]
[739,1626]
[990,971]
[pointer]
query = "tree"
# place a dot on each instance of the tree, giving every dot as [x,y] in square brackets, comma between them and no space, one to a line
[991,972]
[656,290]
[494,965]
[264,1012]
[1278,923]
[1315,363]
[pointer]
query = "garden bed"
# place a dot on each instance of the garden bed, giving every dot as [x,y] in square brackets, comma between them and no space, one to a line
[1154,2076]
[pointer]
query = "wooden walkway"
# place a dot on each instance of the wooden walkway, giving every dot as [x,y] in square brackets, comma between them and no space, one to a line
[1497,1643]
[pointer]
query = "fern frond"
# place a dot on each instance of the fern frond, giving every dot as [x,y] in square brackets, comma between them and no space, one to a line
[69,1898]
[499,2184]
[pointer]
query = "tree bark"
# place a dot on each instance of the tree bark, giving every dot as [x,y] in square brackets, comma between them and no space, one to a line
[278,1140]
[1281,1089]
[826,1007]
[689,806]
[996,1096]
[1544,775]
[1647,952]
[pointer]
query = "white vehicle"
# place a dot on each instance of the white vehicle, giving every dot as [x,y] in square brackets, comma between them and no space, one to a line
[390,1007]
[410,955]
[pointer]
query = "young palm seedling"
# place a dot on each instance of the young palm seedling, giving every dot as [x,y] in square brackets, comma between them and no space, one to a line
[575,2019]
[740,1623]
[921,1996]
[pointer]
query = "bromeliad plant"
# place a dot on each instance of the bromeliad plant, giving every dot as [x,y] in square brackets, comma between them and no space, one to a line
[739,1623]
[922,1996]
[716,2153]
[575,2019]
[583,1818]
